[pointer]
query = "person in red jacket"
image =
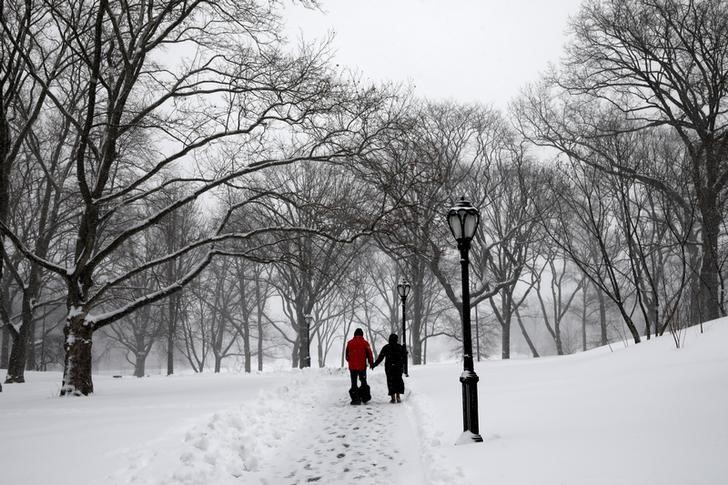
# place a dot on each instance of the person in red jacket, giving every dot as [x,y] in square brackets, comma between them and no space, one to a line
[358,353]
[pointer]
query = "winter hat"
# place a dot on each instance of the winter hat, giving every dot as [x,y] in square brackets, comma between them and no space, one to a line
[358,332]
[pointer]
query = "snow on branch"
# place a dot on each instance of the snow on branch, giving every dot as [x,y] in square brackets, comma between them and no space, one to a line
[5,230]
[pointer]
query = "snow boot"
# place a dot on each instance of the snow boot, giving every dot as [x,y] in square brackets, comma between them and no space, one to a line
[398,399]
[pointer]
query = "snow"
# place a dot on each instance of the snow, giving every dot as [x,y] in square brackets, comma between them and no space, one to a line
[74,311]
[645,414]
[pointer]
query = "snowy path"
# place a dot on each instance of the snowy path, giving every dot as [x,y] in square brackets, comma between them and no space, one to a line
[340,443]
[302,431]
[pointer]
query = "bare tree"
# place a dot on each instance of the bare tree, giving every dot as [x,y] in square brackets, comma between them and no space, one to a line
[177,230]
[310,267]
[647,64]
[40,178]
[231,90]
[23,94]
[254,291]
[563,287]
[137,335]
[585,227]
[443,145]
[510,228]
[195,319]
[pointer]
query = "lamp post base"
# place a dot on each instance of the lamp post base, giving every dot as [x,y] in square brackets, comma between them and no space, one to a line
[469,380]
[469,437]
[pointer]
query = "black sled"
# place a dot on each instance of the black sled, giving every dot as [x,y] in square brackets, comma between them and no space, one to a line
[361,395]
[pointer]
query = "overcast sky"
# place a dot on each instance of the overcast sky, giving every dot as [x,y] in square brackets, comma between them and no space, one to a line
[466,50]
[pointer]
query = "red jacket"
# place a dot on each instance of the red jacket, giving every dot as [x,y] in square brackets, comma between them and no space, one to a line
[358,352]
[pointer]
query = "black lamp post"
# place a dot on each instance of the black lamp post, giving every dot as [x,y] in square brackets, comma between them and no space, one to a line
[403,289]
[463,220]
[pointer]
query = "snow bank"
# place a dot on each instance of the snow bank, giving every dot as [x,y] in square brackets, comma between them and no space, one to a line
[642,415]
[433,441]
[80,441]
[231,446]
[647,414]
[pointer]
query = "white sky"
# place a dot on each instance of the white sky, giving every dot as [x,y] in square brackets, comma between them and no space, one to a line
[466,50]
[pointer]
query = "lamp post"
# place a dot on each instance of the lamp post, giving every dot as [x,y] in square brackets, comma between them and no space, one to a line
[463,220]
[403,289]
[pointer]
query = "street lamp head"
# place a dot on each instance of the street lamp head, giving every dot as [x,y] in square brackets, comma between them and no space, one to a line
[403,289]
[463,220]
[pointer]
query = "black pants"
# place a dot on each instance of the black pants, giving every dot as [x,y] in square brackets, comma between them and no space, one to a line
[361,375]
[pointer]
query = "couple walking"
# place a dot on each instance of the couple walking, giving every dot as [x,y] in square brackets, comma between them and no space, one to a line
[358,353]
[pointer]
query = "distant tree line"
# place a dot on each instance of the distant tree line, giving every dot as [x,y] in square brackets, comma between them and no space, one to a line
[176,179]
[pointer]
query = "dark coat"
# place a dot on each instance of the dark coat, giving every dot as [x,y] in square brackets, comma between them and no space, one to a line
[394,356]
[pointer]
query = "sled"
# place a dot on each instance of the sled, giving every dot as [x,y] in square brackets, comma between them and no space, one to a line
[361,395]
[354,395]
[365,393]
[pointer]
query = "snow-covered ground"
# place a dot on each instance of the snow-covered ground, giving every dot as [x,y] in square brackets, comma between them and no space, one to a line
[647,414]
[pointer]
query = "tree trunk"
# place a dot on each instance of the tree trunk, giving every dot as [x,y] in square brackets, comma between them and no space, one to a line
[477,333]
[415,330]
[260,342]
[304,337]
[557,335]
[653,314]
[4,346]
[245,313]
[218,351]
[584,299]
[140,364]
[602,317]
[294,352]
[24,356]
[320,351]
[506,339]
[43,338]
[694,262]
[627,319]
[246,345]
[77,369]
[259,317]
[170,236]
[709,278]
[30,360]
[5,170]
[709,206]
[171,330]
[532,347]
[18,352]
[304,348]
[505,326]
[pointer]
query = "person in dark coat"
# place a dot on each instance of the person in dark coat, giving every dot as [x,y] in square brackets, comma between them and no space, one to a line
[394,356]
[358,353]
